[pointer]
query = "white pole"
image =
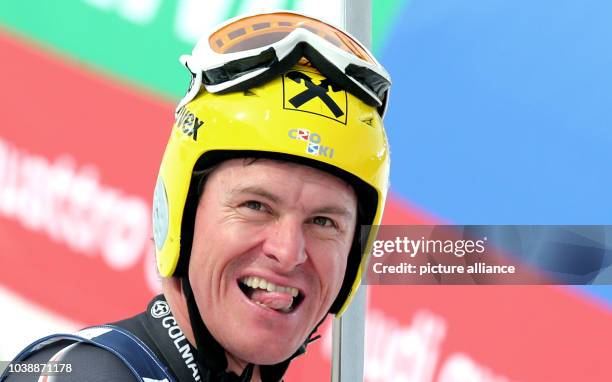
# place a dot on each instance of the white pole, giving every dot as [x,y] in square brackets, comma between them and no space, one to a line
[348,341]
[348,332]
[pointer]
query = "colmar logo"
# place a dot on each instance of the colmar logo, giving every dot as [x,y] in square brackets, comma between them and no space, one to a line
[314,146]
[181,344]
[160,309]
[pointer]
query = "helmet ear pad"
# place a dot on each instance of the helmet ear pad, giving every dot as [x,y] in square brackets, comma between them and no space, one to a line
[367,201]
[198,181]
[353,263]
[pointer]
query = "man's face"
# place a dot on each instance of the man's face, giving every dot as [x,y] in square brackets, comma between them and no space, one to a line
[264,232]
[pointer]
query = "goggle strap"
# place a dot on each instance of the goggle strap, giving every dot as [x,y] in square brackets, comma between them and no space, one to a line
[274,70]
[194,88]
[318,60]
[236,68]
[378,84]
[268,59]
[360,74]
[337,75]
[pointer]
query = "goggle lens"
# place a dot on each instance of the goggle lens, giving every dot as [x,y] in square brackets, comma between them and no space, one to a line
[262,30]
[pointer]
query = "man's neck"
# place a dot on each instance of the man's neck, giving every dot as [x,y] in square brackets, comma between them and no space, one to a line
[175,297]
[237,366]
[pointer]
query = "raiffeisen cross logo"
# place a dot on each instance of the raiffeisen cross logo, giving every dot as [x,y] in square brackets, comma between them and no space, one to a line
[310,92]
[314,146]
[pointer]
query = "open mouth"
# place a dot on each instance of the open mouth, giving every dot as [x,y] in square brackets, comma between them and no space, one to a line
[283,299]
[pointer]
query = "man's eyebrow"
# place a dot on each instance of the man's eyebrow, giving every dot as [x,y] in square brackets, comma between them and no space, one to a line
[334,210]
[256,190]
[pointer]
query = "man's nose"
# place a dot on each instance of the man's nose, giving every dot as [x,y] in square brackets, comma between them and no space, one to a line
[285,244]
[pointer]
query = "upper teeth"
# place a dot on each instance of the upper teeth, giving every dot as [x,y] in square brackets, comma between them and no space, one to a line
[257,282]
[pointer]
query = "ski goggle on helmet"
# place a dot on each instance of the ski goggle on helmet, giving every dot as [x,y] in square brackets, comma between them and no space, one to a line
[300,114]
[252,49]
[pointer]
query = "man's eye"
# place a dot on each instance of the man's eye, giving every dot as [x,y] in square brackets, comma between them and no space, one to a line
[323,221]
[253,205]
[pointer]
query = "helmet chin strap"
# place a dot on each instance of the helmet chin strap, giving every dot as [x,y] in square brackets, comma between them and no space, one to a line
[212,355]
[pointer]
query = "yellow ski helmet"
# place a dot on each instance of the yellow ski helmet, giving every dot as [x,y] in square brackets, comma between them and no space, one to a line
[271,108]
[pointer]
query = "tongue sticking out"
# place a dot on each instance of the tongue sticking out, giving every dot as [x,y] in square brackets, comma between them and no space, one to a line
[273,300]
